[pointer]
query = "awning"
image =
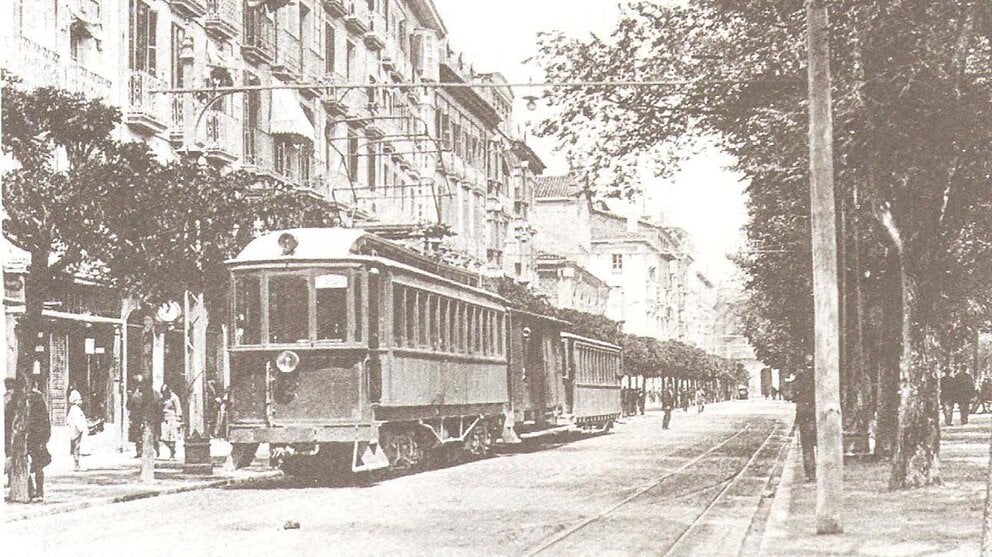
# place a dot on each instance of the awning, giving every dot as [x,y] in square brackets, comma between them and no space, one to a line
[287,116]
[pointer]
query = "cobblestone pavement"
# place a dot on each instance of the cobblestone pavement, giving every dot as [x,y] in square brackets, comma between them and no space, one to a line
[690,490]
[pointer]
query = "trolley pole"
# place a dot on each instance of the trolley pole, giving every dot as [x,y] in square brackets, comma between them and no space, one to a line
[829,458]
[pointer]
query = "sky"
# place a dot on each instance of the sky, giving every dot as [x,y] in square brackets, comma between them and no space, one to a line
[705,198]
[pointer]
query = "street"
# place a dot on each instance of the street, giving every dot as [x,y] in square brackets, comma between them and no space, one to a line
[691,490]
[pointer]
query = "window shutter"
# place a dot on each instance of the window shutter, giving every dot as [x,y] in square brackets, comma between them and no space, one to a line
[152,41]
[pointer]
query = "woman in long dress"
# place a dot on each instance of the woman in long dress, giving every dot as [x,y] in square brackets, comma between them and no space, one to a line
[172,415]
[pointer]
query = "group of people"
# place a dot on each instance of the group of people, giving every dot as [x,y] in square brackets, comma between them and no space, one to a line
[161,412]
[669,399]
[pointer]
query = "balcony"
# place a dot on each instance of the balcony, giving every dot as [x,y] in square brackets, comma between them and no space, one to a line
[81,80]
[146,111]
[357,18]
[259,45]
[335,8]
[313,71]
[178,113]
[220,138]
[190,8]
[287,62]
[223,19]
[375,36]
[36,65]
[332,99]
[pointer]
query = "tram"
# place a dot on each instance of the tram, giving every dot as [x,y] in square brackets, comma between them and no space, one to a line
[350,352]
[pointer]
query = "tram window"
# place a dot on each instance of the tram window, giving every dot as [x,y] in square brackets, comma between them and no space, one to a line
[434,330]
[411,317]
[357,289]
[248,310]
[289,309]
[399,315]
[442,329]
[332,306]
[422,319]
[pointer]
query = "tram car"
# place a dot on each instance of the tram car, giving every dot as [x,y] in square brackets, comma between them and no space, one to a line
[350,352]
[558,380]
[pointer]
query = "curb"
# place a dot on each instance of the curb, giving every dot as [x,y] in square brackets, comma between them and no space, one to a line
[88,503]
[755,536]
[777,507]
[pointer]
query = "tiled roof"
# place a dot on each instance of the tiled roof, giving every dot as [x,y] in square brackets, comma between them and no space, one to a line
[555,186]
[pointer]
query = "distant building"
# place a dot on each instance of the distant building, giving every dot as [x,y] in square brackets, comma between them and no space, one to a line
[568,285]
[644,265]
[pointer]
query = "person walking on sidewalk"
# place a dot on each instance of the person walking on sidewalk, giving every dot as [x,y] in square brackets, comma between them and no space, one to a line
[78,427]
[965,390]
[39,433]
[172,414]
[700,400]
[667,405]
[684,397]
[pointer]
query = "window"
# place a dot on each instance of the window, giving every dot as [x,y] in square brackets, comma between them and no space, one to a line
[352,156]
[399,315]
[617,263]
[350,64]
[422,319]
[178,34]
[247,310]
[289,309]
[433,313]
[411,318]
[359,303]
[442,322]
[371,164]
[329,49]
[332,306]
[143,45]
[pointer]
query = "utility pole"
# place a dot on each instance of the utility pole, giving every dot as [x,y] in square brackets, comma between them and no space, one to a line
[829,440]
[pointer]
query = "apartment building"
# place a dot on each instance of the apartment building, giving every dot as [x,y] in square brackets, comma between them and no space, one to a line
[643,265]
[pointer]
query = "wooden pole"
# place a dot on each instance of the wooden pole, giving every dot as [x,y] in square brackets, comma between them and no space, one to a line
[830,457]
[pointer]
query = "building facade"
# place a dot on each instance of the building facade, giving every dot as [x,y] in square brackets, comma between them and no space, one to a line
[437,169]
[644,265]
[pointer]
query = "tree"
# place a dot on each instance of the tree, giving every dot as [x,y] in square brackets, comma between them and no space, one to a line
[912,132]
[60,143]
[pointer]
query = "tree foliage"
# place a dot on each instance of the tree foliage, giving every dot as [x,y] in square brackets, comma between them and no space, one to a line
[913,132]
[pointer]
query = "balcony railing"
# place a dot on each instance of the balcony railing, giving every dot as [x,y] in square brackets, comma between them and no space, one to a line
[35,64]
[178,120]
[82,80]
[221,141]
[223,18]
[357,19]
[375,36]
[287,63]
[259,43]
[146,110]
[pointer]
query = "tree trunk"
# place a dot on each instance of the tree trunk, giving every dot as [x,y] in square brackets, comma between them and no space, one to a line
[916,456]
[29,327]
[149,443]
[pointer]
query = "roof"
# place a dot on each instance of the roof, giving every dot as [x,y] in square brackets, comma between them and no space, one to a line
[312,243]
[556,186]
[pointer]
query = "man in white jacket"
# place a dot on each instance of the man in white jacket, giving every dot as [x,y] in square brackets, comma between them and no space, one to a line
[78,427]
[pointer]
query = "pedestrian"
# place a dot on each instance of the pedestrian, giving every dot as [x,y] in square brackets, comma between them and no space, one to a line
[965,393]
[641,398]
[948,386]
[78,427]
[806,420]
[684,396]
[667,404]
[136,415]
[700,400]
[172,414]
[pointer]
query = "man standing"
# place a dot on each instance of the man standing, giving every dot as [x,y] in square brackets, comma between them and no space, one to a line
[39,432]
[806,420]
[667,405]
[965,393]
[700,400]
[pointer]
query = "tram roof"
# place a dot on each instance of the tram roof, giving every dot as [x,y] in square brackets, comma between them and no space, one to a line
[316,244]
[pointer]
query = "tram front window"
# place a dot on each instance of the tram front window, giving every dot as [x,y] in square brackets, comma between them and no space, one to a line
[332,306]
[248,308]
[288,309]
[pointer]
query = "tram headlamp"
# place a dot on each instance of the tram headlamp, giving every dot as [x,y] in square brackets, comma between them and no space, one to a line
[286,361]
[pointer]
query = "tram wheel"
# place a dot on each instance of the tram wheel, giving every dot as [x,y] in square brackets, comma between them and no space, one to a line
[479,440]
[402,448]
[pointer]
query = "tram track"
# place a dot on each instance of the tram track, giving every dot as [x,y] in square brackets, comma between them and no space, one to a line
[726,482]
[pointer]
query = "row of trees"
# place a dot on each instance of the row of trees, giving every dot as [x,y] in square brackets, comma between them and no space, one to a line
[913,163]
[83,203]
[642,355]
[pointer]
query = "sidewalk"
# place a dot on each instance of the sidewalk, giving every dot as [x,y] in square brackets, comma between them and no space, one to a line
[938,520]
[109,476]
